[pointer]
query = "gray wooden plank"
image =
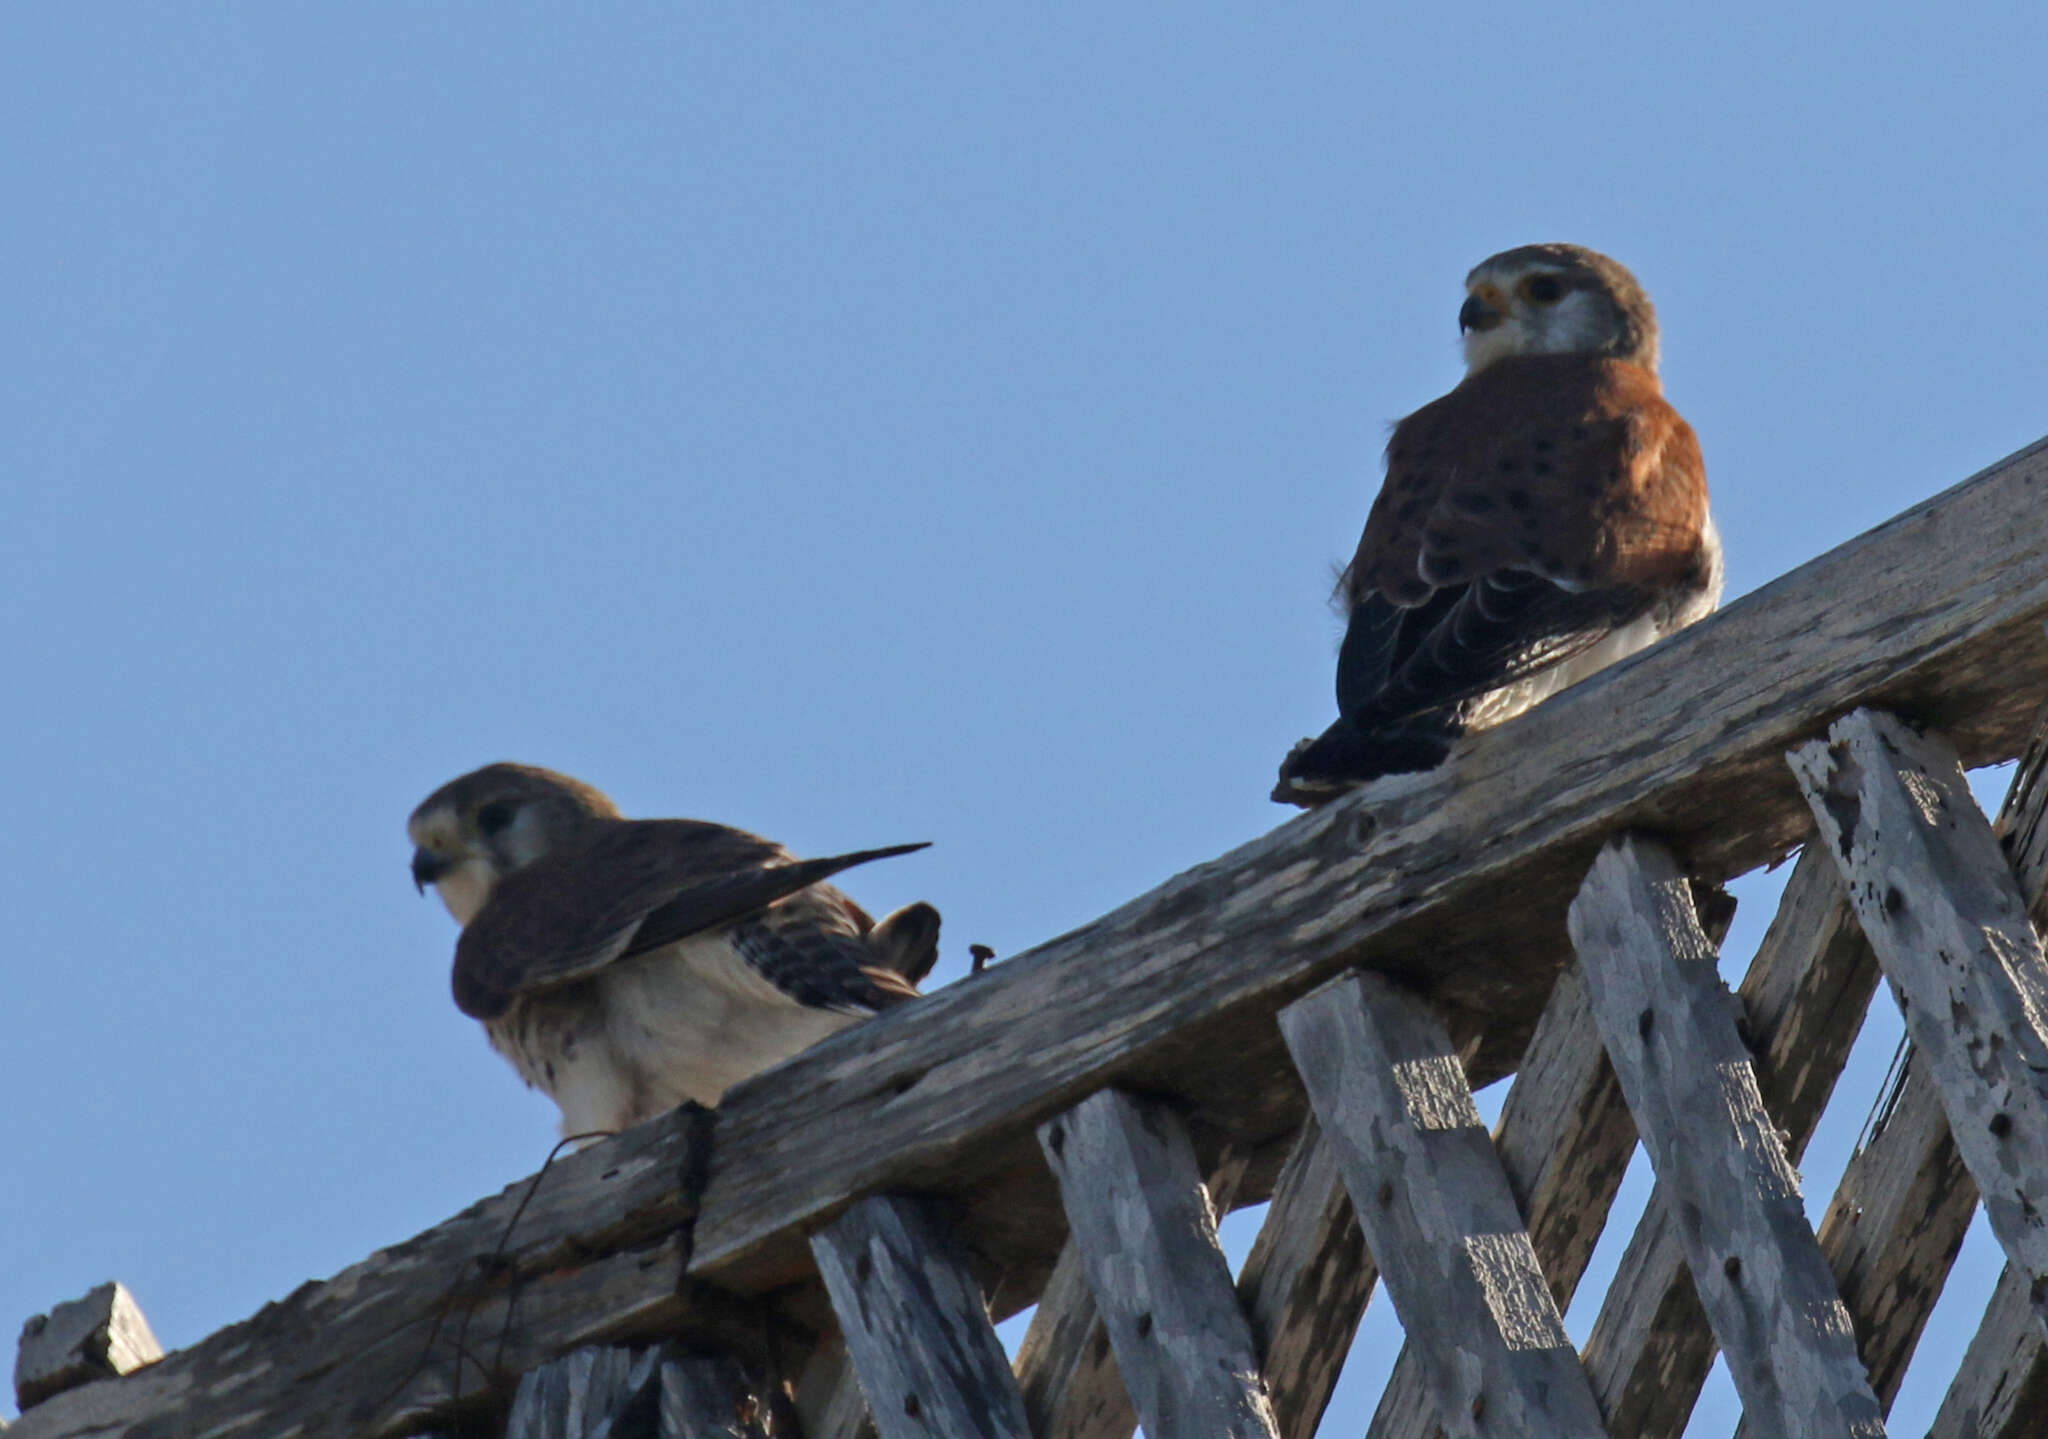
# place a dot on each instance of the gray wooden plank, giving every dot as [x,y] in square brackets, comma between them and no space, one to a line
[1140,1216]
[602,1392]
[2001,1387]
[1427,1186]
[1937,897]
[707,1396]
[1670,1027]
[1305,1284]
[597,1254]
[2000,1391]
[1455,878]
[1892,1230]
[916,1324]
[102,1336]
[1066,1367]
[1564,1138]
[1804,997]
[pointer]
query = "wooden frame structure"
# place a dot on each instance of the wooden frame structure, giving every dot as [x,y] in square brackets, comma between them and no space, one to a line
[1302,1020]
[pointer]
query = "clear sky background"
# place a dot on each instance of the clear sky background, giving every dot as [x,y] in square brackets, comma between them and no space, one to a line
[856,423]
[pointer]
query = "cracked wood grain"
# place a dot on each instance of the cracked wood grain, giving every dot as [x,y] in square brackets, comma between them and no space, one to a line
[441,1325]
[916,1325]
[1141,1219]
[1804,997]
[1670,1028]
[1937,897]
[1438,1215]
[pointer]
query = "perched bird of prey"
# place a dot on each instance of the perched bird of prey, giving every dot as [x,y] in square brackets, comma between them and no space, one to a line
[1543,519]
[624,966]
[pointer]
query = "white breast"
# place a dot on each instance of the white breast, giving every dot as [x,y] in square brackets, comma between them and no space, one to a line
[688,1021]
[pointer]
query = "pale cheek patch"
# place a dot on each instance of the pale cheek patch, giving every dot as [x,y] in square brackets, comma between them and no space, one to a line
[465,888]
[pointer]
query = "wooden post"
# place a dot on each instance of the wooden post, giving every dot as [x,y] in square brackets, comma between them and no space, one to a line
[101,1336]
[1937,898]
[1437,1212]
[1140,1216]
[916,1325]
[1670,1028]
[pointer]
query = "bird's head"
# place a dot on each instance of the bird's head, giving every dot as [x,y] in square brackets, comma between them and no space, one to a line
[1555,300]
[473,831]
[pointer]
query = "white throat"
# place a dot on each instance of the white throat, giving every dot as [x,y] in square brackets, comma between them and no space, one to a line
[465,888]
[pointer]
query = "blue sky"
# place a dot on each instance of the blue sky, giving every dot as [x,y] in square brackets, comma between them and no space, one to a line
[858,424]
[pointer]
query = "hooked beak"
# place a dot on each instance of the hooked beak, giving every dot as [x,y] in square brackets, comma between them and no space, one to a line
[428,867]
[1478,313]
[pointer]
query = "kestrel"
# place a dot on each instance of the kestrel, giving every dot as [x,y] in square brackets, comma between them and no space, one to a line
[1542,520]
[624,966]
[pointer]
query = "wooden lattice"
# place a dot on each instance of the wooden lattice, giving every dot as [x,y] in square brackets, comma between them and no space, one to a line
[1302,1021]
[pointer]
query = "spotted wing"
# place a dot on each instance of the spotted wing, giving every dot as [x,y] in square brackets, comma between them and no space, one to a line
[1541,504]
[636,886]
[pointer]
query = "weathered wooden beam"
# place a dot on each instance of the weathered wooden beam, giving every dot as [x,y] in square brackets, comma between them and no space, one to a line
[440,1324]
[593,1393]
[1892,1230]
[1305,1284]
[1670,1028]
[1937,897]
[1804,997]
[1565,1138]
[1066,1368]
[1456,879]
[916,1324]
[1437,1212]
[102,1336]
[1140,1216]
[2002,1387]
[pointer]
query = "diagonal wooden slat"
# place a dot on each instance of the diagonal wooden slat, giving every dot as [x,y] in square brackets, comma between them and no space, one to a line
[1141,1220]
[1905,1202]
[587,1395]
[1938,900]
[1670,1027]
[1066,1368]
[1804,997]
[2001,1388]
[1437,1213]
[1565,1138]
[1305,1284]
[916,1325]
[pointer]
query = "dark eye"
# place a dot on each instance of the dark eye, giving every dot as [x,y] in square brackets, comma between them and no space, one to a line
[1544,289]
[493,818]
